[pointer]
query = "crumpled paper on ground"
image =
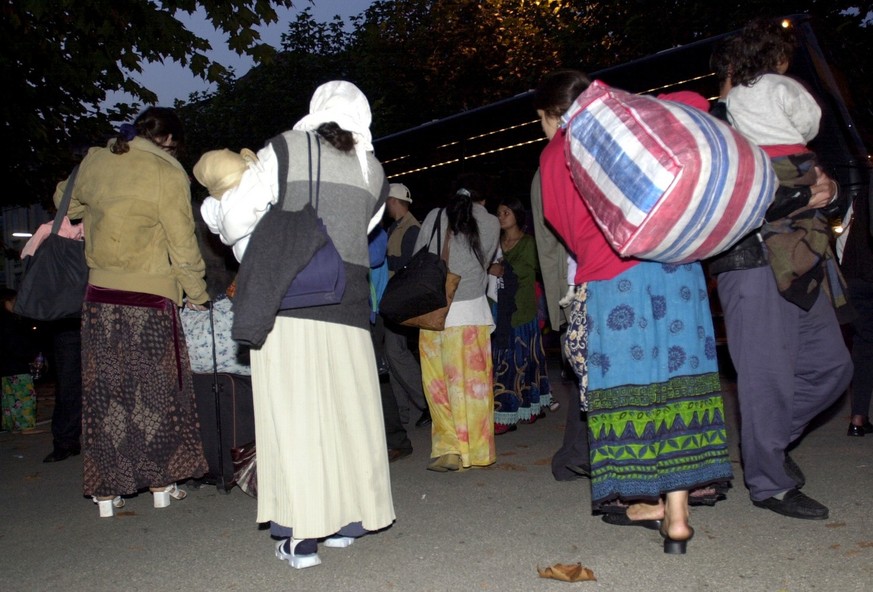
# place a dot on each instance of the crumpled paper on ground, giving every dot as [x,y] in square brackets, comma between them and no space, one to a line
[567,572]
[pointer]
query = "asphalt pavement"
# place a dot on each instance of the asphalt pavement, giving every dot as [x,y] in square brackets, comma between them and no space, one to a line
[476,530]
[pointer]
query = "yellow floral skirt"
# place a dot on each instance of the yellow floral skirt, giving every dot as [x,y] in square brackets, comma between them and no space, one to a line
[457,374]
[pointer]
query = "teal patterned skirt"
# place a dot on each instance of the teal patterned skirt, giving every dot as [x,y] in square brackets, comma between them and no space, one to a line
[655,410]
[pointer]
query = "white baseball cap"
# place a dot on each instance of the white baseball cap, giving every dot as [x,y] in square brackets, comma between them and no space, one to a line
[399,191]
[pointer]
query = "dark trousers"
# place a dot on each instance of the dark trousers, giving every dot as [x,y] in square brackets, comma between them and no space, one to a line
[791,365]
[574,449]
[860,294]
[395,433]
[405,372]
[67,415]
[353,529]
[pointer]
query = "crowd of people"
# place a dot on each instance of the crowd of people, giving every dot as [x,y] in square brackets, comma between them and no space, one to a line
[325,437]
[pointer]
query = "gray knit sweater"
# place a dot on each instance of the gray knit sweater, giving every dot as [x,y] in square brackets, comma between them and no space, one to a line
[346,205]
[462,259]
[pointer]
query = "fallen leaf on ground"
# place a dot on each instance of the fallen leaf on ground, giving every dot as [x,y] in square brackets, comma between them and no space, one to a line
[567,572]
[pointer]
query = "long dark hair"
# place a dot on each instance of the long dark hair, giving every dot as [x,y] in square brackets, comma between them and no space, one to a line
[762,45]
[155,123]
[459,211]
[517,208]
[557,91]
[339,138]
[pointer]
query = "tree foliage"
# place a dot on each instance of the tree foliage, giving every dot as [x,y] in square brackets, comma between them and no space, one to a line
[428,58]
[269,99]
[60,59]
[417,60]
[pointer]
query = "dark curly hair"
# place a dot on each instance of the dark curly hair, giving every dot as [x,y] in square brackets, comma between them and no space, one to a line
[762,45]
[722,57]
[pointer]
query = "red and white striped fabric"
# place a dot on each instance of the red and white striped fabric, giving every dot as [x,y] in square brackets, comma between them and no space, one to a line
[664,181]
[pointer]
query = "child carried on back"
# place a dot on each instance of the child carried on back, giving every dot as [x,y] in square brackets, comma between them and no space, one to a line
[781,116]
[773,110]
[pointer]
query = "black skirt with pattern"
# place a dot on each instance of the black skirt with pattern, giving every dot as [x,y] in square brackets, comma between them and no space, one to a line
[139,420]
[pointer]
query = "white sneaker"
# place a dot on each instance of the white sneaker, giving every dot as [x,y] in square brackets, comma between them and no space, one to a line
[339,542]
[296,561]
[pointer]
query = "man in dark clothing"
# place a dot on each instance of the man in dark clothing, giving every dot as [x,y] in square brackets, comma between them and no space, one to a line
[67,414]
[405,367]
[396,437]
[791,360]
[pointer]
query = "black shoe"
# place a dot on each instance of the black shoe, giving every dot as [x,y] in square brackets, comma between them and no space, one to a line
[793,471]
[570,472]
[398,453]
[675,546]
[424,420]
[795,505]
[859,431]
[580,470]
[623,520]
[59,454]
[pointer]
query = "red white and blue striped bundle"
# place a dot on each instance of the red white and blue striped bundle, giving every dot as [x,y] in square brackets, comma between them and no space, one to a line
[663,180]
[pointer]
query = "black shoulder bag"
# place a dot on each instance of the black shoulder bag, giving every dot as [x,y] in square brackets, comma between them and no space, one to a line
[56,275]
[420,293]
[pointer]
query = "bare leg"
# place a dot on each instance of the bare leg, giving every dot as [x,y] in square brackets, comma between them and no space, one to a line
[676,516]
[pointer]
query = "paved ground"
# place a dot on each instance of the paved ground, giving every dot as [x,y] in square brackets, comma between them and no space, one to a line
[477,530]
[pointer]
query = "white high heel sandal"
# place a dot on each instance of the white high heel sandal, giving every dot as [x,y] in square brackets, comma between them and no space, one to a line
[107,506]
[162,495]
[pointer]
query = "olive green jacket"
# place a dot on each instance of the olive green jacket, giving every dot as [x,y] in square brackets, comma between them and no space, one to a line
[139,228]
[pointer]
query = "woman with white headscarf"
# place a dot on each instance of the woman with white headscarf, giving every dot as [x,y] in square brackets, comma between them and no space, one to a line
[322,465]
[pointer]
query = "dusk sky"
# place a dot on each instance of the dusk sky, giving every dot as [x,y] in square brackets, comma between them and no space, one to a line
[171,81]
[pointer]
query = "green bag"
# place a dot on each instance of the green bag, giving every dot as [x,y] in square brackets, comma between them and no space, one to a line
[18,403]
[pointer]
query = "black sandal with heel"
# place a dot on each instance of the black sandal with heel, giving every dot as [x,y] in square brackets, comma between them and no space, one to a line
[675,546]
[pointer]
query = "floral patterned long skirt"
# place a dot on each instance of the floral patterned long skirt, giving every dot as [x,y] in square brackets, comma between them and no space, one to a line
[655,410]
[139,420]
[456,370]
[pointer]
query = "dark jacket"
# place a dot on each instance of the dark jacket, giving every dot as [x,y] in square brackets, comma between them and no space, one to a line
[279,248]
[17,344]
[857,263]
[749,252]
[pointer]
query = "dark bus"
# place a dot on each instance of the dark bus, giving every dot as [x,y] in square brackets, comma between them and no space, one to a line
[503,140]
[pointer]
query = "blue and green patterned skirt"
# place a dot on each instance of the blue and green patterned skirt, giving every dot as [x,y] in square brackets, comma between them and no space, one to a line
[521,381]
[655,411]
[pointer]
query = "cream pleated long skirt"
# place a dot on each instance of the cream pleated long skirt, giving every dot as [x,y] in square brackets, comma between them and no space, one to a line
[321,450]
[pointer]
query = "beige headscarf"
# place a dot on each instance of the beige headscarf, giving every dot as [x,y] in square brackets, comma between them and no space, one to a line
[344,104]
